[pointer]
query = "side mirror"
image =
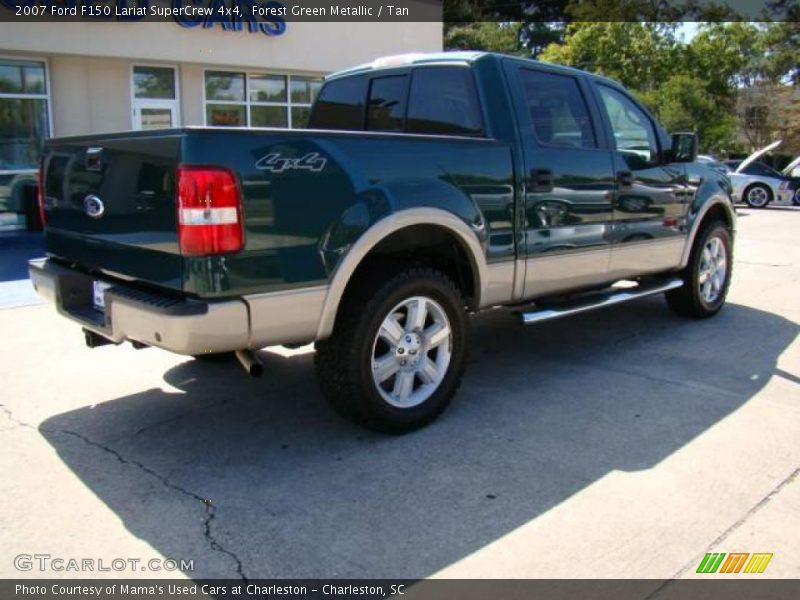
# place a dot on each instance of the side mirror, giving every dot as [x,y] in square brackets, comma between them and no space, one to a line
[684,147]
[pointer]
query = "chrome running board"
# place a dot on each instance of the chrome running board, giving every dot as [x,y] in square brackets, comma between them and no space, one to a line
[599,300]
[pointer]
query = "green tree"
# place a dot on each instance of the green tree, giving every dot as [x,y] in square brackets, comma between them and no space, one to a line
[726,55]
[487,36]
[782,45]
[638,55]
[682,104]
[729,77]
[782,41]
[688,86]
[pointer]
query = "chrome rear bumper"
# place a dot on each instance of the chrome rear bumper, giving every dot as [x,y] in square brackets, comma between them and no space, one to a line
[181,325]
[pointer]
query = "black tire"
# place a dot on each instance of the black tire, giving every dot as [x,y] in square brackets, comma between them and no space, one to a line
[688,300]
[344,362]
[33,218]
[755,188]
[796,197]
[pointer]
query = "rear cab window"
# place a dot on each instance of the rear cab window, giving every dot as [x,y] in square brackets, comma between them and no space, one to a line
[386,106]
[433,100]
[340,105]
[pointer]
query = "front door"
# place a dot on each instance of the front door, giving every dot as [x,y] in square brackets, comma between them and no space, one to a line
[650,198]
[568,182]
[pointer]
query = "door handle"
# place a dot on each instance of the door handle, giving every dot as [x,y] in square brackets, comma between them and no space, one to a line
[625,179]
[542,180]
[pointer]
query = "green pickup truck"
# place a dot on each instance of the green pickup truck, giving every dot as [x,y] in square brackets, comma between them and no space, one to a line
[427,187]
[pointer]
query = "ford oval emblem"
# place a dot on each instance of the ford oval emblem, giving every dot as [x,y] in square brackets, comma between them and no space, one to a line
[93,206]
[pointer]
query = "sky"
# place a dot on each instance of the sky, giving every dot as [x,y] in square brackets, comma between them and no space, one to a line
[687,30]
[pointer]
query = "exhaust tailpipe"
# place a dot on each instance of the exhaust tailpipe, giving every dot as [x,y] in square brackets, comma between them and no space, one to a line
[251,363]
[95,340]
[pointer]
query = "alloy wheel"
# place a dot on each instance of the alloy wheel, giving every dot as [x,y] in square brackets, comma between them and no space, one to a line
[713,270]
[411,352]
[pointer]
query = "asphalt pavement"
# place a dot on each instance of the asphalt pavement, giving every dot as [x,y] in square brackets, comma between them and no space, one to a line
[626,442]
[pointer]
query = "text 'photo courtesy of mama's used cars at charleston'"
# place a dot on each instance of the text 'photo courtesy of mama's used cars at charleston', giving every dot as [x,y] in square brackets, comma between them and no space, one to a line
[428,187]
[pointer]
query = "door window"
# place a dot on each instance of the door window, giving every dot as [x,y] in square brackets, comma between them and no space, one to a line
[557,109]
[759,168]
[154,83]
[24,122]
[634,134]
[155,99]
[387,103]
[443,100]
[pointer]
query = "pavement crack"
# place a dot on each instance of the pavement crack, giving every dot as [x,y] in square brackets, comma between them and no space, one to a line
[7,412]
[215,545]
[176,418]
[209,507]
[793,476]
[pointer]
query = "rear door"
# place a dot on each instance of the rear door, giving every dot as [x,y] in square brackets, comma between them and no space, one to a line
[568,181]
[650,196]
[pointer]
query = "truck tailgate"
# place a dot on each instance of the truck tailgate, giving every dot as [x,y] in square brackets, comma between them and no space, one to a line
[110,204]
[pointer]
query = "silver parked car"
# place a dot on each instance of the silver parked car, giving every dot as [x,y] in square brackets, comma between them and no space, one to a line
[792,172]
[755,183]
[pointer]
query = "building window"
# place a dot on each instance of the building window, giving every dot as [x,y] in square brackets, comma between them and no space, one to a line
[24,110]
[259,99]
[155,97]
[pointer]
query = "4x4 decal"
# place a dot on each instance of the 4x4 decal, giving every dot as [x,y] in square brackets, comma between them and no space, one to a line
[275,163]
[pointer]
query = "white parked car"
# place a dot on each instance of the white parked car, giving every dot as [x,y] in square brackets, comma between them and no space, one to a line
[757,184]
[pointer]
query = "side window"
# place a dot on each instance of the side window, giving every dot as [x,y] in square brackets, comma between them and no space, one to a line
[443,100]
[633,131]
[759,168]
[557,109]
[387,103]
[340,105]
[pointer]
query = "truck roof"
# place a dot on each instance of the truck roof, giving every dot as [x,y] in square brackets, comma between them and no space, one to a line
[413,58]
[453,56]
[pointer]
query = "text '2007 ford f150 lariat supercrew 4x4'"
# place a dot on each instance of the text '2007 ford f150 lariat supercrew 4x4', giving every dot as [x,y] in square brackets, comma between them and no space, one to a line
[427,186]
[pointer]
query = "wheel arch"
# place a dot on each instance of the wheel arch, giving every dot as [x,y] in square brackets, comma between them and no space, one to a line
[717,208]
[448,223]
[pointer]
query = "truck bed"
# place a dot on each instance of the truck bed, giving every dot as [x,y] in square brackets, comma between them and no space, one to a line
[306,196]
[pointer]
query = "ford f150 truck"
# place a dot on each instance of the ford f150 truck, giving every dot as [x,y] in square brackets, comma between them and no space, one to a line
[427,187]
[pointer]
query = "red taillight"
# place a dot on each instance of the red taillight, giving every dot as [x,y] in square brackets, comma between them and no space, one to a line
[209,211]
[40,192]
